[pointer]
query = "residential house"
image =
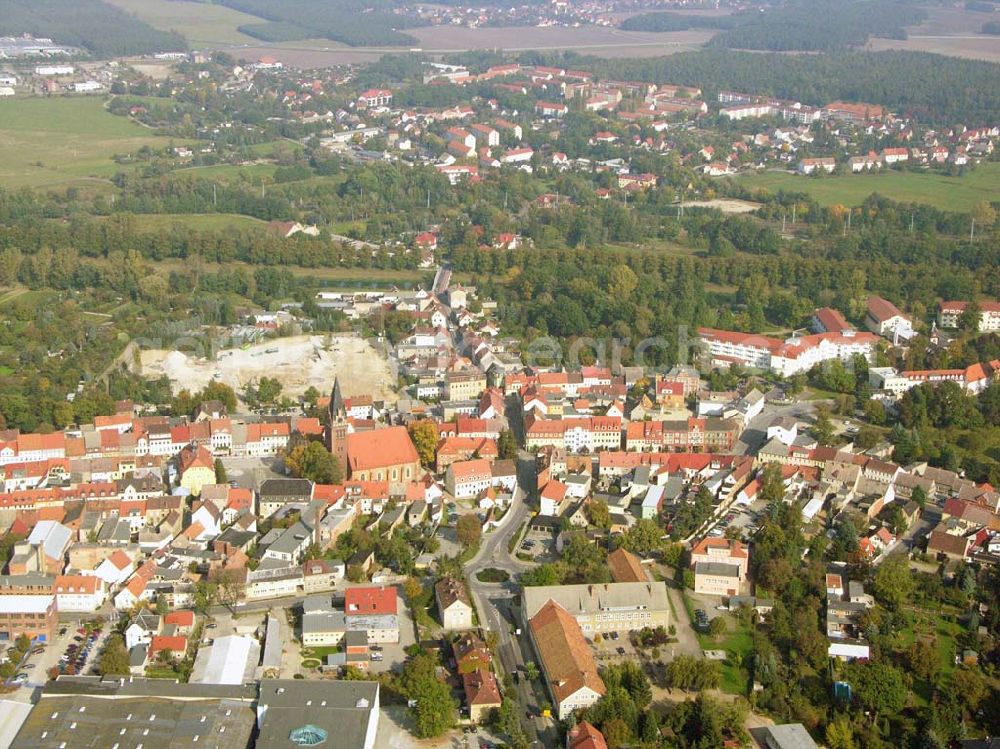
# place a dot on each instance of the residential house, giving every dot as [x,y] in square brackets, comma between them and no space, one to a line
[468,478]
[196,467]
[453,604]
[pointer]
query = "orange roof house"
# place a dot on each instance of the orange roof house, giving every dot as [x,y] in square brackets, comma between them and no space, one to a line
[176,644]
[584,736]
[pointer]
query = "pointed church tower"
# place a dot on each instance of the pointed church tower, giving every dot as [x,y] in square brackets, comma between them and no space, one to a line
[337,429]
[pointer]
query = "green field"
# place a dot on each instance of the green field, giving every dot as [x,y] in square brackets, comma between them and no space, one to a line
[198,22]
[200,221]
[229,172]
[64,140]
[948,193]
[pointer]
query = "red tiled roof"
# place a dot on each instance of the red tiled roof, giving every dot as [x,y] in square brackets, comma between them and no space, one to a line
[745,339]
[832,320]
[882,309]
[585,736]
[369,601]
[569,666]
[736,548]
[626,567]
[180,618]
[481,688]
[380,448]
[466,469]
[175,644]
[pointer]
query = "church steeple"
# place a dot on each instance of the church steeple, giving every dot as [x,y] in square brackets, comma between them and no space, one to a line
[337,426]
[338,411]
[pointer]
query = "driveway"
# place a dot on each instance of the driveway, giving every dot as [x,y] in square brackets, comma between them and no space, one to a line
[687,640]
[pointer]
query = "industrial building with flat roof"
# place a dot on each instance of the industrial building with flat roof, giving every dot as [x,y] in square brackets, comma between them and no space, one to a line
[302,713]
[87,711]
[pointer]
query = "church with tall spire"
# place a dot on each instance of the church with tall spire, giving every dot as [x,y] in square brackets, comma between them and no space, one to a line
[337,426]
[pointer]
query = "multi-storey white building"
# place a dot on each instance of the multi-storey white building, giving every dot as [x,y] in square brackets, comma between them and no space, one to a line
[577,434]
[469,478]
[797,354]
[950,313]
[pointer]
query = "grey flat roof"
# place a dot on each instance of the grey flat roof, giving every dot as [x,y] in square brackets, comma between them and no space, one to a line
[789,736]
[718,569]
[158,714]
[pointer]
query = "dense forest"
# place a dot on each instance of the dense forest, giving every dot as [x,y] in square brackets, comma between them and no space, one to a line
[102,29]
[352,22]
[816,25]
[931,88]
[820,25]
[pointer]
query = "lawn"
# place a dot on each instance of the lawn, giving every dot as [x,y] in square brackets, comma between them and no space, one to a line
[229,172]
[948,193]
[60,141]
[198,22]
[319,652]
[738,642]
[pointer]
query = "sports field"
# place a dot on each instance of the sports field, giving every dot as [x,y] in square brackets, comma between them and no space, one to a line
[949,193]
[61,141]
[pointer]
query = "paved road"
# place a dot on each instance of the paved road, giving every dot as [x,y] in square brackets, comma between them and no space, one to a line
[687,641]
[496,602]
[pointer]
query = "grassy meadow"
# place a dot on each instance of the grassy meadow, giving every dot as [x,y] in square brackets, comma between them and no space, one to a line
[199,22]
[61,141]
[942,191]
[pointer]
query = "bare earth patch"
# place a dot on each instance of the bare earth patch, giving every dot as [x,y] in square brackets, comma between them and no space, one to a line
[298,362]
[725,205]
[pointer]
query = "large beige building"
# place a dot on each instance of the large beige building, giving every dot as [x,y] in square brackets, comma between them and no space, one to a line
[607,607]
[464,385]
[720,566]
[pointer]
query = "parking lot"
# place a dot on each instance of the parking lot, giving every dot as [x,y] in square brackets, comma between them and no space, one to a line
[70,650]
[746,519]
[540,545]
[613,647]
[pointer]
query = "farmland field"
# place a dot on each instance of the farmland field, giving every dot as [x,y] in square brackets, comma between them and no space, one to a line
[199,23]
[61,141]
[942,191]
[600,41]
[948,31]
[597,40]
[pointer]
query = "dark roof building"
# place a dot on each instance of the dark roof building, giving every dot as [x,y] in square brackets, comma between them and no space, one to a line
[86,711]
[317,713]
